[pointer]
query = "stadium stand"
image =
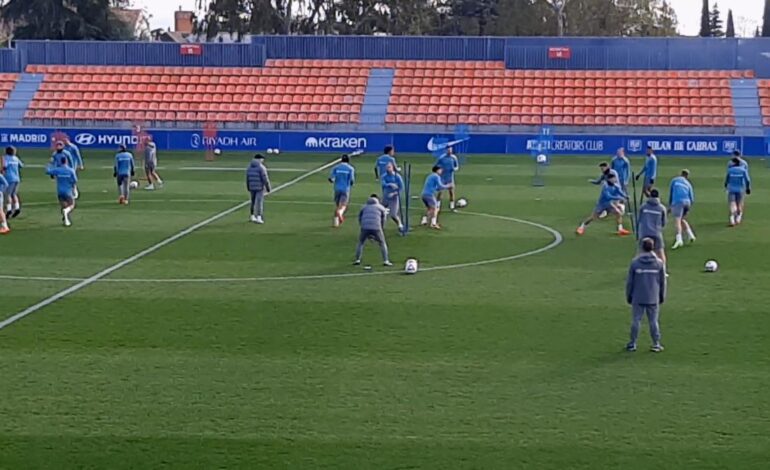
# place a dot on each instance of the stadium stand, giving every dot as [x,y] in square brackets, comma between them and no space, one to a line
[425,92]
[285,91]
[7,82]
[451,92]
[764,100]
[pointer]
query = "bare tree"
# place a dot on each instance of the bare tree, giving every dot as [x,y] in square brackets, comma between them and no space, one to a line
[558,9]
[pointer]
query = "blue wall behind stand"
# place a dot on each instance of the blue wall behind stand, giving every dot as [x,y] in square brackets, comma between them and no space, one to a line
[528,53]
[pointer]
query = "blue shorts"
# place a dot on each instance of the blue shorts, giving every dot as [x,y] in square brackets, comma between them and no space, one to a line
[447,178]
[735,197]
[341,197]
[429,201]
[387,199]
[680,210]
[65,197]
[122,178]
[12,190]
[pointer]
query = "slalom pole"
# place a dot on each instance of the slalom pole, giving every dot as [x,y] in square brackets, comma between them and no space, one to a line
[635,208]
[405,202]
[407,224]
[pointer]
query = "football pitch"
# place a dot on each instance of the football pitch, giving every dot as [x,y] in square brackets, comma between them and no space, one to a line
[195,339]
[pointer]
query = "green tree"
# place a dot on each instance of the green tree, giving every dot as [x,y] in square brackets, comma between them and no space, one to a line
[766,20]
[241,17]
[705,20]
[471,17]
[730,31]
[65,19]
[523,18]
[666,19]
[452,17]
[558,7]
[715,22]
[354,17]
[647,18]
[413,17]
[593,18]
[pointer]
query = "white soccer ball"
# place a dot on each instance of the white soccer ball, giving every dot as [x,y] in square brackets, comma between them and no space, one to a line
[462,202]
[276,151]
[269,151]
[411,266]
[541,158]
[711,266]
[217,151]
[134,184]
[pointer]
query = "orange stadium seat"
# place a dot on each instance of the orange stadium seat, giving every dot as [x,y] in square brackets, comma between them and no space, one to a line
[107,93]
[485,92]
[7,82]
[442,92]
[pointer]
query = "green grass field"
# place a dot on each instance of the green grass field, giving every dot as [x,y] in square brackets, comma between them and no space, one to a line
[190,358]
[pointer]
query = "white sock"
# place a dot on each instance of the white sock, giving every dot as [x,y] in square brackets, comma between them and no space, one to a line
[690,233]
[336,221]
[424,220]
[16,206]
[620,227]
[4,224]
[678,237]
[66,211]
[8,208]
[732,219]
[434,221]
[451,204]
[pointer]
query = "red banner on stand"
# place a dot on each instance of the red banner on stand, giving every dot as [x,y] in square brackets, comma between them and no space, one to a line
[191,49]
[559,53]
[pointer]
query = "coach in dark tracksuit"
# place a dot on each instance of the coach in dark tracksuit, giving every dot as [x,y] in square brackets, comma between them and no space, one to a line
[645,291]
[258,184]
[651,222]
[372,220]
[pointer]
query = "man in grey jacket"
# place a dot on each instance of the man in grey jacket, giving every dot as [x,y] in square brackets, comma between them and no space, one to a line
[645,291]
[652,221]
[372,219]
[258,184]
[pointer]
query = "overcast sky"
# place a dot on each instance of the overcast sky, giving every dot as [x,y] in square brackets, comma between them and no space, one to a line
[747,13]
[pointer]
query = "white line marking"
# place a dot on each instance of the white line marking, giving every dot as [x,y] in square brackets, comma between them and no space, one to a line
[558,238]
[134,202]
[221,168]
[139,202]
[106,272]
[103,167]
[191,168]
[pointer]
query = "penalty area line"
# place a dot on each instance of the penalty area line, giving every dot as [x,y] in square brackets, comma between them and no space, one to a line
[150,250]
